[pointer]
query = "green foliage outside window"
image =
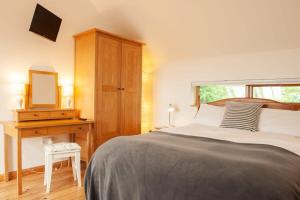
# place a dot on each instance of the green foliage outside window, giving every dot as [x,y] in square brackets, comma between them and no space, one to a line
[282,94]
[212,93]
[291,94]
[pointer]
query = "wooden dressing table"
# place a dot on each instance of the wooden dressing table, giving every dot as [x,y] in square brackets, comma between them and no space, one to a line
[80,130]
[42,117]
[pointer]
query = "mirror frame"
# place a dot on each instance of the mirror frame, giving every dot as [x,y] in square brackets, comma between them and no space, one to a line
[57,98]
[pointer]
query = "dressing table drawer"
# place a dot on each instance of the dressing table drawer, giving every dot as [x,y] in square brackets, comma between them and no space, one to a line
[79,129]
[35,132]
[35,115]
[63,114]
[58,130]
[28,116]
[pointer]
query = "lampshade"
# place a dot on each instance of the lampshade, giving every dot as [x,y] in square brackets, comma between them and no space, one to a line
[171,108]
[67,91]
[19,89]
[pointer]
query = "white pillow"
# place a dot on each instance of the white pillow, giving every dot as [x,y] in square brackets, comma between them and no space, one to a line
[210,115]
[280,121]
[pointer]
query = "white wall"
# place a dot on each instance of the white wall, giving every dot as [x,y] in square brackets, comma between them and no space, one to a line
[173,79]
[217,40]
[21,50]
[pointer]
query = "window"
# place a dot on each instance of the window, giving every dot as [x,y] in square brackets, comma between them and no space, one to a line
[289,94]
[282,93]
[212,93]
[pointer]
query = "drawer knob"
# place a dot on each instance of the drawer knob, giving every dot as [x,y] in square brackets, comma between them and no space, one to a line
[80,128]
[62,113]
[36,132]
[36,115]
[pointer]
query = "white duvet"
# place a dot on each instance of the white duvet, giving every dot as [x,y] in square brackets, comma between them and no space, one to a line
[291,143]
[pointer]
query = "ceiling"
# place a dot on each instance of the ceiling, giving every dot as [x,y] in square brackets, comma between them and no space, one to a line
[190,29]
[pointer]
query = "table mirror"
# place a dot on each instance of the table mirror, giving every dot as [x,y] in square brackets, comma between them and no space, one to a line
[43,89]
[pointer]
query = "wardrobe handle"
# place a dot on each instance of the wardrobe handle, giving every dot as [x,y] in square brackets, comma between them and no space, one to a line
[119,88]
[122,88]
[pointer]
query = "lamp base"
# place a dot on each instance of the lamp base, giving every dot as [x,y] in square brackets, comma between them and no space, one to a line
[68,102]
[20,103]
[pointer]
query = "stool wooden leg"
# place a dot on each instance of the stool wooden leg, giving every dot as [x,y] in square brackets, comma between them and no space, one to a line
[77,162]
[74,168]
[49,172]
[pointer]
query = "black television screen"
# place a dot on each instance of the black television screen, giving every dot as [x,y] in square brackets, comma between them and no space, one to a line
[45,23]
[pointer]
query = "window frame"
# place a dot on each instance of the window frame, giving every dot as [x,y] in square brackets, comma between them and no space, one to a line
[249,91]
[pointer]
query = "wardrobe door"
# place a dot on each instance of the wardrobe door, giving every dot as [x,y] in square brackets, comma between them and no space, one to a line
[85,48]
[108,87]
[131,88]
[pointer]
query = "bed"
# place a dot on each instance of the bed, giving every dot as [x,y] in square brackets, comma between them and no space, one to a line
[202,161]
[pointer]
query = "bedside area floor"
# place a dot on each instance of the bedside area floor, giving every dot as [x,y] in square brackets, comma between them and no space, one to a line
[63,187]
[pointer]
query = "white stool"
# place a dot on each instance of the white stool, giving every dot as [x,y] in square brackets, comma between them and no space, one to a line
[62,150]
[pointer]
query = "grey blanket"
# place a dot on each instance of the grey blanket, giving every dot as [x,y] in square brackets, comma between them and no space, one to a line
[160,166]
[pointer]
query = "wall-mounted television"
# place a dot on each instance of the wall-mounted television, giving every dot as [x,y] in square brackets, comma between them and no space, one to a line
[45,23]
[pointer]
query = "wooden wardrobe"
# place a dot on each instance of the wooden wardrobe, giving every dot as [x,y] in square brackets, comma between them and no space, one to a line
[108,78]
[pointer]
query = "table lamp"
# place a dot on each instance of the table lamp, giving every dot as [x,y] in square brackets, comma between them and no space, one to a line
[20,92]
[68,94]
[171,109]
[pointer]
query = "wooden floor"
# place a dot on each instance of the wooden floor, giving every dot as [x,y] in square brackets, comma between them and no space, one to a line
[62,187]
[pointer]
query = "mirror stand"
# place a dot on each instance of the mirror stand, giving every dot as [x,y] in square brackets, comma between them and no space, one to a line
[26,98]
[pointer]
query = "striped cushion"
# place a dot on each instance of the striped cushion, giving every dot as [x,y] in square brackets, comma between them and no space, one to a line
[241,116]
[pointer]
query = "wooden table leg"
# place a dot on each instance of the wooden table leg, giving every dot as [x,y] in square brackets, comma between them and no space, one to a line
[19,163]
[5,141]
[93,139]
[88,143]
